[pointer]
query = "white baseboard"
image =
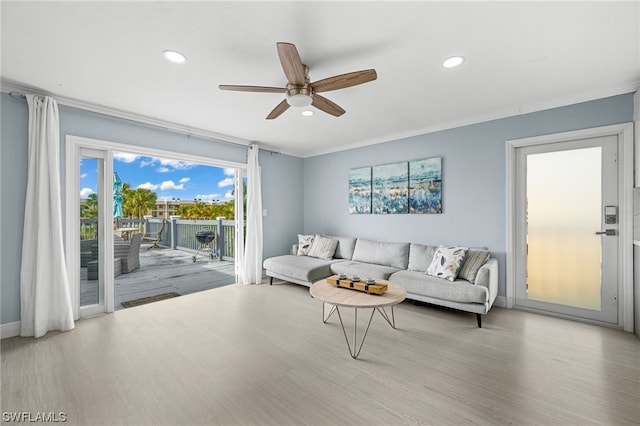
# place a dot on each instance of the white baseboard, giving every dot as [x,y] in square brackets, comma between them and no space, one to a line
[500,302]
[10,329]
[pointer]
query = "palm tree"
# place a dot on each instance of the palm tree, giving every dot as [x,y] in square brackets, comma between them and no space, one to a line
[89,208]
[138,202]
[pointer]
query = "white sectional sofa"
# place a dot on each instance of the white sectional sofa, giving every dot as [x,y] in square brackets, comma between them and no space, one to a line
[404,264]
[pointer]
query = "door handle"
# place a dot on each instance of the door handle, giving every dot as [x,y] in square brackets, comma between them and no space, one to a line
[607,232]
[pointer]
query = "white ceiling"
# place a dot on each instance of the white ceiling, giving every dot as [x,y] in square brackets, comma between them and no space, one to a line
[520,57]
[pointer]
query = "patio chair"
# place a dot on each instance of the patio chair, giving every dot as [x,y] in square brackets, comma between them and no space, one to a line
[128,252]
[86,251]
[154,237]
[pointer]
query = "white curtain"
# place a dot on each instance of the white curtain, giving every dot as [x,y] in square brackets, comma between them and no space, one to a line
[45,298]
[252,265]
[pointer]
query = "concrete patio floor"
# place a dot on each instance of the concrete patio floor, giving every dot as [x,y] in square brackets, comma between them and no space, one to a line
[162,271]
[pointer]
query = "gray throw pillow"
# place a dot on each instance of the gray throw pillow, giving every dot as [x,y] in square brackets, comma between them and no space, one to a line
[472,264]
[323,247]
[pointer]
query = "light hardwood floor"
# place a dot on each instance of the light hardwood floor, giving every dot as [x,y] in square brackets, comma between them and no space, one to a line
[260,355]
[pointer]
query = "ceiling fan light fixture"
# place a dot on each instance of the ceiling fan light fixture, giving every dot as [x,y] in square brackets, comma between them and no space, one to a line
[453,61]
[299,101]
[307,113]
[173,56]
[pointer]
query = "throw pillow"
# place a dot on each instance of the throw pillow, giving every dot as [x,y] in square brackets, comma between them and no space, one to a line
[304,244]
[323,247]
[447,262]
[472,264]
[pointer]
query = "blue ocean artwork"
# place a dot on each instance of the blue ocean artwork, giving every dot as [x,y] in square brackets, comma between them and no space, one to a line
[425,186]
[391,188]
[360,191]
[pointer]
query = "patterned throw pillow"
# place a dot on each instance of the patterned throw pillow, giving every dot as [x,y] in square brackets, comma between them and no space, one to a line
[446,262]
[472,264]
[323,247]
[304,244]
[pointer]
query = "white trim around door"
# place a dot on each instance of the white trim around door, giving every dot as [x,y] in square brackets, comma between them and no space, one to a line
[624,132]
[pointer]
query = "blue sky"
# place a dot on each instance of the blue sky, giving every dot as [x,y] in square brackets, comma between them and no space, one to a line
[167,178]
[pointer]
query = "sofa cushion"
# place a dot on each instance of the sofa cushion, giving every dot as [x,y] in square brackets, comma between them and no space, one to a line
[304,244]
[420,256]
[364,270]
[323,247]
[303,268]
[472,264]
[447,262]
[345,248]
[418,283]
[382,253]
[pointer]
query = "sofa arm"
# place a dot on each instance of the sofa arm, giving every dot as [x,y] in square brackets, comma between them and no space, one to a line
[488,277]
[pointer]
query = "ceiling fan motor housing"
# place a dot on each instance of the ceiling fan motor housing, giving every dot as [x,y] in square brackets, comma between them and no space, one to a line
[299,96]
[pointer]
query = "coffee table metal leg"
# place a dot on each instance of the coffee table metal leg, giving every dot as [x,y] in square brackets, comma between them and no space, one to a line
[333,309]
[355,351]
[391,320]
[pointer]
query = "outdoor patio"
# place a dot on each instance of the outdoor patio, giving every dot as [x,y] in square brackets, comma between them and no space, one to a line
[162,271]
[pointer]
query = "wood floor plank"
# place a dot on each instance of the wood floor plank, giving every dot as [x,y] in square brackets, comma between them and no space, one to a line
[261,355]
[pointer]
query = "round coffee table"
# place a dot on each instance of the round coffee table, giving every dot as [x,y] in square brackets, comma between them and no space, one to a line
[346,298]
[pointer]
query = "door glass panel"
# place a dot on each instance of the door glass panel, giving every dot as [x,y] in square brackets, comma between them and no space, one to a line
[89,247]
[563,212]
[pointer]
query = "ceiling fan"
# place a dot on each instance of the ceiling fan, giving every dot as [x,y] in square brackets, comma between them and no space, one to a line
[300,91]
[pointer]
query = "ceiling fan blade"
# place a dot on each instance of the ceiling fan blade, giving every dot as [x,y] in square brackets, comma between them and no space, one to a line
[262,89]
[291,63]
[327,106]
[279,109]
[344,80]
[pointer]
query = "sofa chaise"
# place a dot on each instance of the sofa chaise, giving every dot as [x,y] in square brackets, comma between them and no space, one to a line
[472,288]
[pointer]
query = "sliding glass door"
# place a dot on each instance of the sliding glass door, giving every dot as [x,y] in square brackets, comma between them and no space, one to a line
[89,230]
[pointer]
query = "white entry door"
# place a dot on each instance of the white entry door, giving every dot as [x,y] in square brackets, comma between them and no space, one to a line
[567,228]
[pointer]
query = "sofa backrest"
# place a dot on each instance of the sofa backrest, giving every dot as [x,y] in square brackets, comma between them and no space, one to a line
[382,253]
[420,256]
[345,248]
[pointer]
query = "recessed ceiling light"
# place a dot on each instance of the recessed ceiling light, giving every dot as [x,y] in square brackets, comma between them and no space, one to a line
[173,56]
[453,61]
[307,113]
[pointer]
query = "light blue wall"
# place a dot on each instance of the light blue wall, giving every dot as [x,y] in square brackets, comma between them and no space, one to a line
[281,192]
[473,184]
[14,121]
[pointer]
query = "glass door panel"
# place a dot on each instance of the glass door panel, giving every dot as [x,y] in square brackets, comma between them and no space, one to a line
[567,261]
[90,210]
[563,212]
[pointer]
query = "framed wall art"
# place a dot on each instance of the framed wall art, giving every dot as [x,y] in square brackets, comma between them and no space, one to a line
[390,188]
[360,191]
[425,186]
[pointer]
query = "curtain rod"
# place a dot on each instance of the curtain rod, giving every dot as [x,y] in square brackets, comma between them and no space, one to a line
[139,120]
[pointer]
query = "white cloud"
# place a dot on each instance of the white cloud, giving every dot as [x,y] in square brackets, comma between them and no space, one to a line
[84,192]
[229,195]
[225,182]
[84,175]
[229,172]
[169,184]
[125,157]
[185,180]
[165,198]
[167,165]
[208,197]
[148,185]
[176,164]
